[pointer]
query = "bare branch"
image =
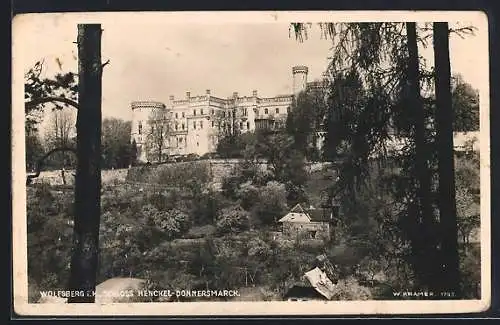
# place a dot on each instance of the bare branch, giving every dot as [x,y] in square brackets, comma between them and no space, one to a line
[104,64]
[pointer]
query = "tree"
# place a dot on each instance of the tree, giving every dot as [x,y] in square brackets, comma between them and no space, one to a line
[465,102]
[446,166]
[84,261]
[227,134]
[383,56]
[41,93]
[158,134]
[232,219]
[34,150]
[424,243]
[271,204]
[306,118]
[60,91]
[133,152]
[60,133]
[116,147]
[468,218]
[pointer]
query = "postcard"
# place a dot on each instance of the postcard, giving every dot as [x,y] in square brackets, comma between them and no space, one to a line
[251,163]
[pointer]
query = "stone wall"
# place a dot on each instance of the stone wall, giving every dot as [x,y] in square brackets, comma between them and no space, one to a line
[54,177]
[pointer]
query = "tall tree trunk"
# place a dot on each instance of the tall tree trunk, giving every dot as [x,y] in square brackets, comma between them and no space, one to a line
[444,122]
[423,242]
[84,261]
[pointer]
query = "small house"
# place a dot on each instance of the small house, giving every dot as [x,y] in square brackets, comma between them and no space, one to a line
[303,292]
[312,223]
[314,285]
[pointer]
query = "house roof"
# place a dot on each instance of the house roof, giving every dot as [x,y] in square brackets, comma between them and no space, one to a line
[320,281]
[298,291]
[295,217]
[319,215]
[299,214]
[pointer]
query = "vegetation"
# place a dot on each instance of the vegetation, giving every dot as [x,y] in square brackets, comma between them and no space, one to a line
[227,240]
[183,233]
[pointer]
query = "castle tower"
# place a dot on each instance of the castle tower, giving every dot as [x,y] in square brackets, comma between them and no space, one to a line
[299,78]
[141,112]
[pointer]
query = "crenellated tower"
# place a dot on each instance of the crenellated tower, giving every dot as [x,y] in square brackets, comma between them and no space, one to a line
[299,73]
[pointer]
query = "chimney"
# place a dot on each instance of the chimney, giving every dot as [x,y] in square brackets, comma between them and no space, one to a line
[171,97]
[235,94]
[188,94]
[208,91]
[254,94]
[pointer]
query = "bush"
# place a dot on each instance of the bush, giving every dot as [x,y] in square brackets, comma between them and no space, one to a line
[232,220]
[248,195]
[175,175]
[270,204]
[350,289]
[470,268]
[49,238]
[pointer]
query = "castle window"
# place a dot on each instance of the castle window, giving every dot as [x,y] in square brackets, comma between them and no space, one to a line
[182,114]
[223,114]
[176,115]
[241,125]
[212,111]
[248,125]
[194,112]
[277,110]
[201,111]
[183,126]
[212,123]
[180,140]
[266,111]
[140,127]
[194,125]
[176,127]
[197,144]
[201,124]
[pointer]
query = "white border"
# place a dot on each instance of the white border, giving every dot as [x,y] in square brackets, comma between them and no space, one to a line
[21,305]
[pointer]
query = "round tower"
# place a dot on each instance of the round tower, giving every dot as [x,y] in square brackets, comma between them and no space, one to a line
[141,113]
[299,73]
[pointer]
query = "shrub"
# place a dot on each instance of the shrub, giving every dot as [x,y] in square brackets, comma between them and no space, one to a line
[350,289]
[232,220]
[270,204]
[175,175]
[248,195]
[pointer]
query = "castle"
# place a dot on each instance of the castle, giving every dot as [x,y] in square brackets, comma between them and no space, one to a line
[196,123]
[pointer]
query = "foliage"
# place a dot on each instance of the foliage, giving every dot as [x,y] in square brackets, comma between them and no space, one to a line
[305,118]
[270,204]
[205,207]
[470,269]
[49,218]
[159,128]
[467,213]
[232,220]
[465,102]
[34,150]
[175,175]
[63,85]
[116,147]
[61,133]
[350,289]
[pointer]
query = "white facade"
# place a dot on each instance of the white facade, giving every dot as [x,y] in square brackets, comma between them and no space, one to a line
[196,123]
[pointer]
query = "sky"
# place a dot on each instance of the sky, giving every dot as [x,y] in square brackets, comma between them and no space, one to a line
[152,57]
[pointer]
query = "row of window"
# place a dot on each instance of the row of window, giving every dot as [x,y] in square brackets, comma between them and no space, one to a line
[245,112]
[195,125]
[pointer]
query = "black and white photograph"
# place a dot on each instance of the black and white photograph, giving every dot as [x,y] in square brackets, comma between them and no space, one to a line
[250,163]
